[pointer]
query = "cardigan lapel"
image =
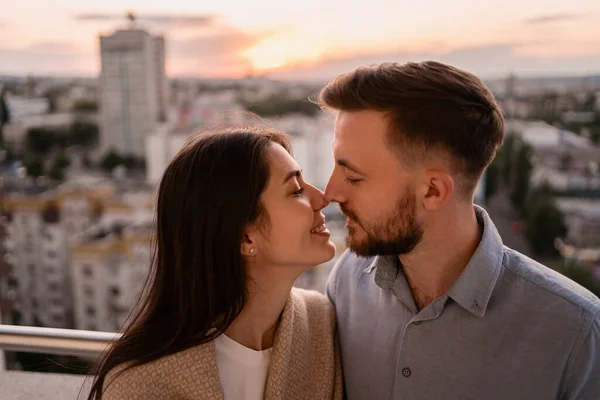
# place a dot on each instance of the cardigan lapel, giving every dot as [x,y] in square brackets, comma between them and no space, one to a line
[289,367]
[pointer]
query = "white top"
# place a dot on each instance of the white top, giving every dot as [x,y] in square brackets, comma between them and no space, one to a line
[243,371]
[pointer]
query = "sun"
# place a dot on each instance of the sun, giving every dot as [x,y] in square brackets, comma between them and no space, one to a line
[281,51]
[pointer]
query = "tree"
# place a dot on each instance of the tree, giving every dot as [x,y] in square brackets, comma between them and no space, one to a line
[505,158]
[281,103]
[40,140]
[56,173]
[111,160]
[86,106]
[491,180]
[522,175]
[581,275]
[544,223]
[61,160]
[134,162]
[84,134]
[34,166]
[4,113]
[6,153]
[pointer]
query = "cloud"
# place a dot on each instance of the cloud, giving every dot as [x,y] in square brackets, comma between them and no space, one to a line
[51,47]
[47,58]
[552,18]
[488,61]
[218,53]
[163,20]
[213,54]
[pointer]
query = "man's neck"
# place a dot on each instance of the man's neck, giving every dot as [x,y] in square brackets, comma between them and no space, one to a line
[256,325]
[433,266]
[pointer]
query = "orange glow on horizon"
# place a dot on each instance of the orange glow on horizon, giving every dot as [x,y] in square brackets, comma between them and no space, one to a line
[281,51]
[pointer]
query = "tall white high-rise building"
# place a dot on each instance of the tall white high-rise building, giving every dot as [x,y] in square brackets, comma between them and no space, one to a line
[133,89]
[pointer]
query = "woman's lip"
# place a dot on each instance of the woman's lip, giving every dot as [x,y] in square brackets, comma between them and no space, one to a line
[322,233]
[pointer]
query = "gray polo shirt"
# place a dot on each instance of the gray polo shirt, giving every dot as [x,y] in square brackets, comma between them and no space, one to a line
[508,328]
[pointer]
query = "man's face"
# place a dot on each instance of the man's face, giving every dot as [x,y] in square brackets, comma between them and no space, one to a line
[375,192]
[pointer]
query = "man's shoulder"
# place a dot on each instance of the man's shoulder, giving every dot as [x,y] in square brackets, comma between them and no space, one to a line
[349,267]
[551,283]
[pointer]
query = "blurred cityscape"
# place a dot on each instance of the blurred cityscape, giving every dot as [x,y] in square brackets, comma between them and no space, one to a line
[81,158]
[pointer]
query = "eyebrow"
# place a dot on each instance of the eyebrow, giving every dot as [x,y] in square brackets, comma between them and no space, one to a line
[295,173]
[346,164]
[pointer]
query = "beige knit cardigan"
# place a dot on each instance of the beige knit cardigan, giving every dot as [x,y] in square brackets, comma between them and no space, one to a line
[305,362]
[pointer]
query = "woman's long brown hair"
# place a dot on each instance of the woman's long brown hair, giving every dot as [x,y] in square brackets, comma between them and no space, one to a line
[196,286]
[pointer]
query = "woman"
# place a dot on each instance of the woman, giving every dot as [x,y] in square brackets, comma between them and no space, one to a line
[236,226]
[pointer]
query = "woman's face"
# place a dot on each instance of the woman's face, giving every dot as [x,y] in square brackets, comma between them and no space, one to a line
[292,230]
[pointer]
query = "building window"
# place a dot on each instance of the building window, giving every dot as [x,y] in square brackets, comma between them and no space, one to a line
[51,254]
[114,291]
[53,286]
[57,319]
[28,243]
[88,291]
[55,302]
[87,270]
[113,269]
[31,268]
[92,327]
[91,311]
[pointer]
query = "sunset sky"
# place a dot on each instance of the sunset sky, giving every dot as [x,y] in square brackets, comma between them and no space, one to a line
[309,39]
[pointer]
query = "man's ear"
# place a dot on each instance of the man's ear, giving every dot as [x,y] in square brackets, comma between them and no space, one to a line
[437,187]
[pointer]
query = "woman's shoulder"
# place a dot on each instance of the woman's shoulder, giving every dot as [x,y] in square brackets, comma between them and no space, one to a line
[316,304]
[160,378]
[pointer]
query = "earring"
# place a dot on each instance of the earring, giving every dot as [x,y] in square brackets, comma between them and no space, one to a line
[252,251]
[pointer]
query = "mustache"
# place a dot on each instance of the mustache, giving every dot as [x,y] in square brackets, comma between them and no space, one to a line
[349,213]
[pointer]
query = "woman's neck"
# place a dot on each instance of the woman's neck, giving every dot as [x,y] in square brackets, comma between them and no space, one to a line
[256,325]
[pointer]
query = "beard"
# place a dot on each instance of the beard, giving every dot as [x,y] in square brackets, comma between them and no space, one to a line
[396,234]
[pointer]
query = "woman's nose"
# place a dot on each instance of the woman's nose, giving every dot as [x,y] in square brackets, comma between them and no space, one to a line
[318,200]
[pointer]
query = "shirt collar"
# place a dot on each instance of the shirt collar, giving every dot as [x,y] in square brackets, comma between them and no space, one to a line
[390,276]
[473,288]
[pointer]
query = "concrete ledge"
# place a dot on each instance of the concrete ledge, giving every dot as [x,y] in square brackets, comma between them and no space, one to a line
[19,385]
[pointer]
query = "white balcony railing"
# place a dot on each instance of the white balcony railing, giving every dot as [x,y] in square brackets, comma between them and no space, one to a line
[68,342]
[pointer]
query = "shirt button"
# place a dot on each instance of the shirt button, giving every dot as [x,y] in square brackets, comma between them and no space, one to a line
[406,372]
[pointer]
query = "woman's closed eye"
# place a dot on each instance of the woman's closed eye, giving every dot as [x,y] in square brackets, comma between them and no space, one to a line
[298,192]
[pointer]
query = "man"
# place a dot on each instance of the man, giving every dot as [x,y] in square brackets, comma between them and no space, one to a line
[430,304]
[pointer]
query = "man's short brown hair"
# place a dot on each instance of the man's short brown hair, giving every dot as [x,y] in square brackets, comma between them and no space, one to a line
[431,106]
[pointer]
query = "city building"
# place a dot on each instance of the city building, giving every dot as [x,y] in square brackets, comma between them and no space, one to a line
[6,290]
[190,115]
[133,89]
[43,223]
[564,161]
[36,246]
[109,266]
[312,138]
[582,217]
